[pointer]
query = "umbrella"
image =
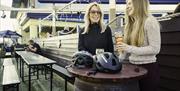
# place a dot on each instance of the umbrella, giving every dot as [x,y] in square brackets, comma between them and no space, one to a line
[9,34]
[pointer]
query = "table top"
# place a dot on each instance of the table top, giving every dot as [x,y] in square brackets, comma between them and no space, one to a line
[128,72]
[19,49]
[34,59]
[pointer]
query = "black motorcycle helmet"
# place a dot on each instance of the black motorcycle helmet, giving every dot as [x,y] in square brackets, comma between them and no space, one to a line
[108,63]
[82,59]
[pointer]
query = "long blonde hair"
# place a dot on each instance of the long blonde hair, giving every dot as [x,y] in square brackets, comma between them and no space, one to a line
[87,18]
[134,33]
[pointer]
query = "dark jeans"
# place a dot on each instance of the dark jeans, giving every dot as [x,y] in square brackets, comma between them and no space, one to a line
[151,81]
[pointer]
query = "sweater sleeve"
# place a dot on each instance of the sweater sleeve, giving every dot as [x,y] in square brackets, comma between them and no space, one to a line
[81,42]
[110,46]
[153,37]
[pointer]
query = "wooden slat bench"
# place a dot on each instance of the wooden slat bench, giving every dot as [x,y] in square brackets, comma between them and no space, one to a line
[10,78]
[61,71]
[7,62]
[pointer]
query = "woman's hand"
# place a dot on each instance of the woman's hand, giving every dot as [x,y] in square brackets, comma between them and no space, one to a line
[120,46]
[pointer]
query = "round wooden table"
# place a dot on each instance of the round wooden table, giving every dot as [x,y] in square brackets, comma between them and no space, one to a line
[125,80]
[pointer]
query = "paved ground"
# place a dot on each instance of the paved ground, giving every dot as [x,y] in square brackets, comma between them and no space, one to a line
[39,85]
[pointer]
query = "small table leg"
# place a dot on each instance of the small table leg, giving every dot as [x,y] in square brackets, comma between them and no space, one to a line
[51,76]
[29,78]
[20,67]
[65,84]
[22,71]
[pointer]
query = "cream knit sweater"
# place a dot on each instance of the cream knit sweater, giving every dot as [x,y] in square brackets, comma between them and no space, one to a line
[146,53]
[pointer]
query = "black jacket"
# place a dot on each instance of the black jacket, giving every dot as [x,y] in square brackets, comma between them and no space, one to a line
[94,39]
[38,51]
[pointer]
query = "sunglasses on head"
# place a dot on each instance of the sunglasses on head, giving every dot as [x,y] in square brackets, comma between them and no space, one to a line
[93,12]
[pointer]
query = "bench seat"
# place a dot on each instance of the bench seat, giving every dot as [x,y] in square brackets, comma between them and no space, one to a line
[7,62]
[62,70]
[64,74]
[10,77]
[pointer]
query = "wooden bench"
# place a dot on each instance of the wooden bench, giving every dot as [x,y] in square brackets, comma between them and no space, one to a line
[7,62]
[10,78]
[61,71]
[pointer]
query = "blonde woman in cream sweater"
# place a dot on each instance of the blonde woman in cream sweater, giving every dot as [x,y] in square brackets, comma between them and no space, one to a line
[141,42]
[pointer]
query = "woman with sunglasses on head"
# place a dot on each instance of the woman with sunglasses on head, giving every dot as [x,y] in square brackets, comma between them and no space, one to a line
[141,42]
[95,34]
